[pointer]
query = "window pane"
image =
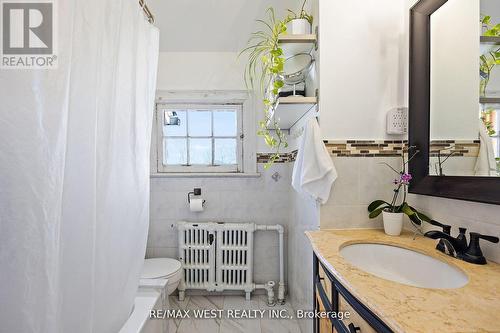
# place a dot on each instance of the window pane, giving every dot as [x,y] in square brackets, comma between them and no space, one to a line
[200,123]
[200,151]
[174,130]
[225,151]
[175,152]
[225,123]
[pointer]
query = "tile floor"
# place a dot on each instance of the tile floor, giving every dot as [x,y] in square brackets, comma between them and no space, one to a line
[230,325]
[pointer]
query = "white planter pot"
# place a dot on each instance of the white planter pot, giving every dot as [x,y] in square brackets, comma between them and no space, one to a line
[393,223]
[298,27]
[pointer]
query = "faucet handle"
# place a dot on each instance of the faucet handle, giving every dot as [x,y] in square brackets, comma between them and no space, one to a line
[473,254]
[461,240]
[446,228]
[492,239]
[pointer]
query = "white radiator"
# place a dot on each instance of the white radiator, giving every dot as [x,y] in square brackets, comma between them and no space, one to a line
[234,257]
[219,256]
[196,253]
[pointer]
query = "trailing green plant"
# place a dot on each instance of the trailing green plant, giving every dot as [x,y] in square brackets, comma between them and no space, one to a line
[492,30]
[401,182]
[486,116]
[490,59]
[302,14]
[265,65]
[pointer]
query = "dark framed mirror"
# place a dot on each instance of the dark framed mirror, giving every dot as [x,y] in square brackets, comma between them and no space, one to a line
[453,119]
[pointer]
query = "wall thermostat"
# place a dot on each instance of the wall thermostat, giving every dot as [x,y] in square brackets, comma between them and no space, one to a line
[397,121]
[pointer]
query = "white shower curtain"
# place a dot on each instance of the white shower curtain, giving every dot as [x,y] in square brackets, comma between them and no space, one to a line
[74,173]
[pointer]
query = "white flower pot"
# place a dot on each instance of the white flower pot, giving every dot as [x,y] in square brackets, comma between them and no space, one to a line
[298,27]
[393,223]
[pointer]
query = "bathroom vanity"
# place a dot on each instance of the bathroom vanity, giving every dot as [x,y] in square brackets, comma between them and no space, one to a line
[379,304]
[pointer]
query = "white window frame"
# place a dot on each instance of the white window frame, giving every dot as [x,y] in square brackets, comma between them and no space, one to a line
[162,107]
[219,97]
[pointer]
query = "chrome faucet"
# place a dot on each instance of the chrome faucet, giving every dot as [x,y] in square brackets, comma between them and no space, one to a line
[457,246]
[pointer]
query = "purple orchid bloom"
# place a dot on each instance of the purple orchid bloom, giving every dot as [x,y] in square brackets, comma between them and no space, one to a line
[406,178]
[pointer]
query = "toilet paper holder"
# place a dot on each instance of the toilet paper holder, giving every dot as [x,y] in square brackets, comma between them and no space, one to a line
[196,192]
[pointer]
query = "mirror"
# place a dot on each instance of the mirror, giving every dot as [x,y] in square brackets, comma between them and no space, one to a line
[295,71]
[454,97]
[464,120]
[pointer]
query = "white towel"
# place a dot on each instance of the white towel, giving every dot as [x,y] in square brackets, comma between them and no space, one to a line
[485,164]
[313,172]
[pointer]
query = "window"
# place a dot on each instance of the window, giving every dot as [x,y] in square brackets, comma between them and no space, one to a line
[200,138]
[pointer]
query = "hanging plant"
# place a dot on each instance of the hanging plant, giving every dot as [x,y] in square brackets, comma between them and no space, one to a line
[492,30]
[487,116]
[488,62]
[490,59]
[265,65]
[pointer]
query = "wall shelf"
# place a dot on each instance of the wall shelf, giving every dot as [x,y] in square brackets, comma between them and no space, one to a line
[490,40]
[298,100]
[295,44]
[291,109]
[489,100]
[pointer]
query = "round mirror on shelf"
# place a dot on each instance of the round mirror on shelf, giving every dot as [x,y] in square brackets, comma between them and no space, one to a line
[295,71]
[296,68]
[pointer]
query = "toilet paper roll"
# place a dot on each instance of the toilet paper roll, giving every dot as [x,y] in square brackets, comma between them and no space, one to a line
[196,205]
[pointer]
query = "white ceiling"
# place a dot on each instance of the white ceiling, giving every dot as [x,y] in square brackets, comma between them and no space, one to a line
[210,25]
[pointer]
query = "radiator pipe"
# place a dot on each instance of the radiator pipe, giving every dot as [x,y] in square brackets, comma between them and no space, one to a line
[269,287]
[279,228]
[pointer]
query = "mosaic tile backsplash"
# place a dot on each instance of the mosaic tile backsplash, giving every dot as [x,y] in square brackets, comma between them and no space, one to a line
[365,148]
[392,148]
[284,158]
[455,147]
[384,148]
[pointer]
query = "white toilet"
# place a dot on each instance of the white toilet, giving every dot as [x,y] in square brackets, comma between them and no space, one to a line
[163,268]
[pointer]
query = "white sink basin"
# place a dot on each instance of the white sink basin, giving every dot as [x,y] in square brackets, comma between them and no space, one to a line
[404,266]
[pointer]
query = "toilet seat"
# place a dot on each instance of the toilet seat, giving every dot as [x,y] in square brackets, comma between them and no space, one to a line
[156,268]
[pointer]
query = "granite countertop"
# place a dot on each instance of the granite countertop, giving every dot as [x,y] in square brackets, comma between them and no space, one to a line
[472,308]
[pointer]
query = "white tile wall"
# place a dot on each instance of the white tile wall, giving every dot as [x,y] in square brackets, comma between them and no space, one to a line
[477,217]
[305,217]
[360,181]
[260,200]
[454,166]
[364,179]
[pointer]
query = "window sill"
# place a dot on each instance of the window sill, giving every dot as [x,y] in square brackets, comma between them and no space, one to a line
[204,175]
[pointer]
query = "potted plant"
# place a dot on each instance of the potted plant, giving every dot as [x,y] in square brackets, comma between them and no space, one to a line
[393,212]
[299,23]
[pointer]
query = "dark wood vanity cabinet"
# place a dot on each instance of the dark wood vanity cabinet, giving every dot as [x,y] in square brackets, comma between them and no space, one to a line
[330,296]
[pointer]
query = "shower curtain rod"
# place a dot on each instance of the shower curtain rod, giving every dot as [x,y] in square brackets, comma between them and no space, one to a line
[146,10]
